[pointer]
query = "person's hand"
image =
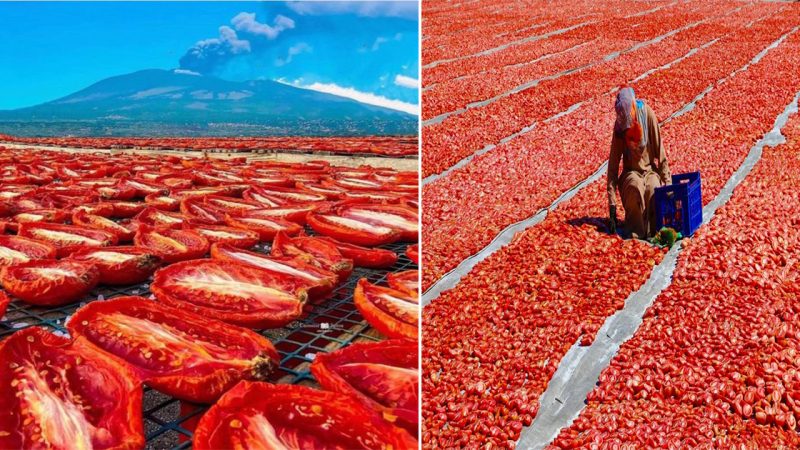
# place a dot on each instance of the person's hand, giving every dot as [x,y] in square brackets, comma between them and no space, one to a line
[612,218]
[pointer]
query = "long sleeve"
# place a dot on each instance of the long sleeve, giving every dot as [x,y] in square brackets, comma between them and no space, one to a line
[612,176]
[659,152]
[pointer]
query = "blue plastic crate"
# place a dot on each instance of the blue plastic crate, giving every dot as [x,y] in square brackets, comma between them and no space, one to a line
[680,205]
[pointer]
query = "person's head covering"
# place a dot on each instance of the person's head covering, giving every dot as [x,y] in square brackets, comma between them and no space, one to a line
[630,113]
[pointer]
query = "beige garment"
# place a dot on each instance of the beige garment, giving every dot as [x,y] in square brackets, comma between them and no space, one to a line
[643,169]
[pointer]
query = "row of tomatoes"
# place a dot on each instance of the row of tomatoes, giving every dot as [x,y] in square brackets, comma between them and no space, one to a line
[380,145]
[509,185]
[716,356]
[194,342]
[518,324]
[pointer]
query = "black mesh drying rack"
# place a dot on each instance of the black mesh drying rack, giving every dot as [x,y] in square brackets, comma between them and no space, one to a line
[333,324]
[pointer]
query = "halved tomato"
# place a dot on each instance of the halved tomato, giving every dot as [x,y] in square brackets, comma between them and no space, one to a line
[120,266]
[237,237]
[41,215]
[292,213]
[374,258]
[231,205]
[103,209]
[17,249]
[384,376]
[406,281]
[352,231]
[124,210]
[315,251]
[330,193]
[412,251]
[272,195]
[394,313]
[65,238]
[182,354]
[117,192]
[4,301]
[157,218]
[62,393]
[266,227]
[232,292]
[320,282]
[403,219]
[82,218]
[145,187]
[197,210]
[162,202]
[374,196]
[255,415]
[50,282]
[172,245]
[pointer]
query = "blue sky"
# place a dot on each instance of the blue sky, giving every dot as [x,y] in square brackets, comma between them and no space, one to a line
[364,50]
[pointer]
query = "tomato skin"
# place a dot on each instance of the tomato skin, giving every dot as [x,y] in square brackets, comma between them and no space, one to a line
[196,209]
[131,271]
[42,231]
[320,282]
[406,281]
[156,218]
[102,209]
[386,317]
[82,218]
[166,243]
[109,389]
[315,251]
[412,251]
[210,373]
[374,258]
[162,202]
[4,301]
[327,225]
[266,228]
[237,237]
[248,309]
[31,248]
[398,354]
[33,283]
[351,425]
[125,210]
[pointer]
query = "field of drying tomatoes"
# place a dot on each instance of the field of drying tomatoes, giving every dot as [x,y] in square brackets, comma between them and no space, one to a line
[717,74]
[160,302]
[393,146]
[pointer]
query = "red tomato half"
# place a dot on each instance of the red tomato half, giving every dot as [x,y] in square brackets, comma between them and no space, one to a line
[400,218]
[266,227]
[162,202]
[265,416]
[232,292]
[4,301]
[172,245]
[215,234]
[315,251]
[393,313]
[120,266]
[382,375]
[412,251]
[122,233]
[352,231]
[124,210]
[50,282]
[102,209]
[292,213]
[182,354]
[320,282]
[61,393]
[407,281]
[154,217]
[374,258]
[16,250]
[66,238]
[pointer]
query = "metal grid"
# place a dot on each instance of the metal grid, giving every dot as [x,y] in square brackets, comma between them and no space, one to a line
[333,324]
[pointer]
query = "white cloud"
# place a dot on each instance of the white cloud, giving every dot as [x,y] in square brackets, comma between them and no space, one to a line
[359,96]
[407,82]
[294,50]
[186,72]
[380,40]
[247,22]
[402,9]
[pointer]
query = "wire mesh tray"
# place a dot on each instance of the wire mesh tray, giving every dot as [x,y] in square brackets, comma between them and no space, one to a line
[327,327]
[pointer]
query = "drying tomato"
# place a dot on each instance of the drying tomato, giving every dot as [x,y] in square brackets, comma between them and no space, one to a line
[102,209]
[276,196]
[196,209]
[172,245]
[233,292]
[162,202]
[382,375]
[120,266]
[320,282]
[124,210]
[406,281]
[50,282]
[4,301]
[315,251]
[118,192]
[231,205]
[392,312]
[17,249]
[266,227]
[375,258]
[154,217]
[62,393]
[292,213]
[144,187]
[84,219]
[66,238]
[262,415]
[182,354]
[352,231]
[330,193]
[412,251]
[41,215]
[400,218]
[237,237]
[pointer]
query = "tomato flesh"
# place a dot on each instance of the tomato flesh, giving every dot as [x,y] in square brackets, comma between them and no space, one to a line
[50,282]
[266,227]
[315,251]
[393,313]
[406,281]
[172,245]
[66,238]
[120,266]
[16,249]
[352,230]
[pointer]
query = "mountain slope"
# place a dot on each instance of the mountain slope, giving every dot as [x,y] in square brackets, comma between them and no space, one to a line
[170,101]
